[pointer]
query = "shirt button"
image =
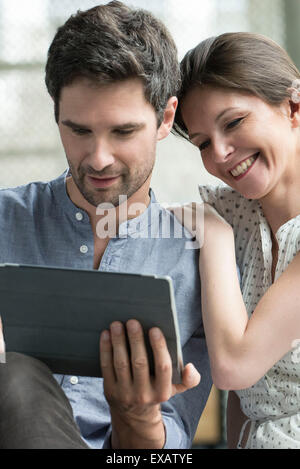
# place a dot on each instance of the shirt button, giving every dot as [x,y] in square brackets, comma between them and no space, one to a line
[74,380]
[79,216]
[84,249]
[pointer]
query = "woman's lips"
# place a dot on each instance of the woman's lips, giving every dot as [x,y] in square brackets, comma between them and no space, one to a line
[244,167]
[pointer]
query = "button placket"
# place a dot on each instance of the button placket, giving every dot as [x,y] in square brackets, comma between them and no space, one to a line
[79,216]
[74,380]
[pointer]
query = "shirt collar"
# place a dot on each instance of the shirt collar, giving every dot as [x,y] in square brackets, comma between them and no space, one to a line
[140,224]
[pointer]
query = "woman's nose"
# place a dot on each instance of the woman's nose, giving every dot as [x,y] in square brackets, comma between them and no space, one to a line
[222,150]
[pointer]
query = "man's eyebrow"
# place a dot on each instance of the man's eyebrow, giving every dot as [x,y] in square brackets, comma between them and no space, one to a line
[130,125]
[126,126]
[216,120]
[73,125]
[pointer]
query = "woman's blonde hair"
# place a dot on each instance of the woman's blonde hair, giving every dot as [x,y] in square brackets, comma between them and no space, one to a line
[241,61]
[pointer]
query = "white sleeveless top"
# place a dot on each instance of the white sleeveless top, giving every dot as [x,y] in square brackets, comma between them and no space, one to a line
[273,403]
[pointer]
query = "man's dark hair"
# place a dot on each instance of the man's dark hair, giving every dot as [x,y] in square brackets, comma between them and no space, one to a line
[111,43]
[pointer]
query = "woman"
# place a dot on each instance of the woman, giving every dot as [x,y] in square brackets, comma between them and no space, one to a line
[239,104]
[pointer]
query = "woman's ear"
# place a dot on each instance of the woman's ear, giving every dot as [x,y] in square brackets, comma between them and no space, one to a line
[168,119]
[293,106]
[295,114]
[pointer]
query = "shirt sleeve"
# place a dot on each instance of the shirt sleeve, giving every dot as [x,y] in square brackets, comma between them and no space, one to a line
[107,439]
[224,199]
[182,413]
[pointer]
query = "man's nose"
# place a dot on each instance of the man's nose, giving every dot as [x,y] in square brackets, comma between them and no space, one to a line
[101,155]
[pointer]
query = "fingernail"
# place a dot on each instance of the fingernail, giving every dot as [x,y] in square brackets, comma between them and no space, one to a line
[116,328]
[156,333]
[133,326]
[105,336]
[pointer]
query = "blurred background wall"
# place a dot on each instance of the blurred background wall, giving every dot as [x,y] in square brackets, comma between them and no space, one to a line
[29,141]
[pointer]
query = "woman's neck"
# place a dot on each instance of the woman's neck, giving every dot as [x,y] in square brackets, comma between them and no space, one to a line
[282,205]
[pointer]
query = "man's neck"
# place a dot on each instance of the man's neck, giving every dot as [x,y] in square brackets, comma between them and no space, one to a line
[128,209]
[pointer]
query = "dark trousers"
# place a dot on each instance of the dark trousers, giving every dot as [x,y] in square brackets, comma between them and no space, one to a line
[34,411]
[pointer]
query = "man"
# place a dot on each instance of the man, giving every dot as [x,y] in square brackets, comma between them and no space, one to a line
[113,75]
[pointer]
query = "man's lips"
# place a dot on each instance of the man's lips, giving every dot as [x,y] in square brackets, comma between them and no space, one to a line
[102,181]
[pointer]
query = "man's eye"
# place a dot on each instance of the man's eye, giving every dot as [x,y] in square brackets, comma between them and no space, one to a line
[80,131]
[124,132]
[234,123]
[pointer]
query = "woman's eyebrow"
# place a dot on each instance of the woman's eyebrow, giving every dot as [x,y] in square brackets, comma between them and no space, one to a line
[196,134]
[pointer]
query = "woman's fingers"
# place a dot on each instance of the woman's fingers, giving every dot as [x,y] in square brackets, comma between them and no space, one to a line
[191,216]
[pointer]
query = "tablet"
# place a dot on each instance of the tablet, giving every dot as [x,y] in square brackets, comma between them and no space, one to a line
[57,314]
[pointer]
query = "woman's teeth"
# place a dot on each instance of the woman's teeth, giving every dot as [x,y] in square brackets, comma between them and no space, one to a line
[244,166]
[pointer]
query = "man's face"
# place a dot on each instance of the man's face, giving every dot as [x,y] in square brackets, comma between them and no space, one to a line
[109,134]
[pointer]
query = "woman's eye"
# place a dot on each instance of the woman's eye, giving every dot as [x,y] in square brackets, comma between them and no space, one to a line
[203,145]
[234,123]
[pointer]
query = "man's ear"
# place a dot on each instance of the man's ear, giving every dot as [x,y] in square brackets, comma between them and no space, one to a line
[168,119]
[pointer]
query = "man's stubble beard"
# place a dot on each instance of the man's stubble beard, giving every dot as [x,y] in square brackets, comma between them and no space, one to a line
[128,185]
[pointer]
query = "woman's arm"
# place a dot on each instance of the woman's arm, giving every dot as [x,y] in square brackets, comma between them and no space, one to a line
[242,350]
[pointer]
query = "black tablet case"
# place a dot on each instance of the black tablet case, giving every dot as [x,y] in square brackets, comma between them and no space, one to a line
[57,314]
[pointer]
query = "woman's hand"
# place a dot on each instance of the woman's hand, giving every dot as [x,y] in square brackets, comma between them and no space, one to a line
[201,220]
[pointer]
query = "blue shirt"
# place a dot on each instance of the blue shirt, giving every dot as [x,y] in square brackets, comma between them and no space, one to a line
[40,225]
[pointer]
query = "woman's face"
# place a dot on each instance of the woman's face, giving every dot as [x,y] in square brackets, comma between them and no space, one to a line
[248,144]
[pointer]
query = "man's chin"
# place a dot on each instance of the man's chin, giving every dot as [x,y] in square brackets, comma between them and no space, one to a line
[104,197]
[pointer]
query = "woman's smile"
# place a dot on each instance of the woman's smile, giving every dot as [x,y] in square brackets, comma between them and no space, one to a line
[243,168]
[236,135]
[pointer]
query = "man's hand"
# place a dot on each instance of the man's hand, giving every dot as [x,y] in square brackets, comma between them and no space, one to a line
[2,344]
[133,395]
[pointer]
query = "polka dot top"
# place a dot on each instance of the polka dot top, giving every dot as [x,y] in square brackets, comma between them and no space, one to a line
[273,403]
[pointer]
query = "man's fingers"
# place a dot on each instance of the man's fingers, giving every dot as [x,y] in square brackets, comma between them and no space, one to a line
[121,360]
[190,378]
[129,378]
[163,364]
[139,358]
[106,359]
